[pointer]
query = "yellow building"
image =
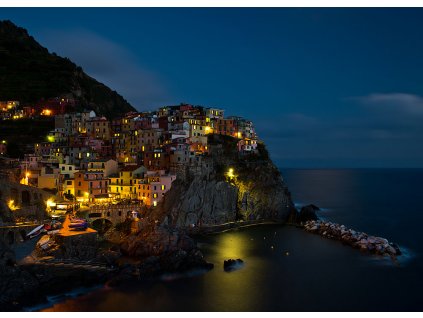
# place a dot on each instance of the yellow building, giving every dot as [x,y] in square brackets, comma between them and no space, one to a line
[69,187]
[124,184]
[48,178]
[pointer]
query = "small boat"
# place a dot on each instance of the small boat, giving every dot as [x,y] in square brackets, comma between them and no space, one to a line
[76,220]
[78,226]
[45,242]
[35,232]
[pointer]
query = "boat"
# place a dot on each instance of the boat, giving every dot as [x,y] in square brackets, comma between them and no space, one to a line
[35,232]
[78,226]
[45,242]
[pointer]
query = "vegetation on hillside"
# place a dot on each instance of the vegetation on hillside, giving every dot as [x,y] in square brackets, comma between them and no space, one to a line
[22,134]
[29,73]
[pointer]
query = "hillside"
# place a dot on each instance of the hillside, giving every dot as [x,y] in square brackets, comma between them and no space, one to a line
[29,73]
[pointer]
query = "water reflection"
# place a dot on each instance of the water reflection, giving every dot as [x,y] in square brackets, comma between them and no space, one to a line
[238,290]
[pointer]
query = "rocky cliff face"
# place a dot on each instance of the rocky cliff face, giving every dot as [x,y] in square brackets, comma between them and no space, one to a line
[14,282]
[202,202]
[155,242]
[254,190]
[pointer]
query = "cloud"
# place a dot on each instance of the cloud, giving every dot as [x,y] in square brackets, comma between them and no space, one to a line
[393,103]
[393,115]
[109,63]
[374,130]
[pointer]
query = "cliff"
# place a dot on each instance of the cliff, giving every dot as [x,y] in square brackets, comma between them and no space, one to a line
[227,187]
[29,73]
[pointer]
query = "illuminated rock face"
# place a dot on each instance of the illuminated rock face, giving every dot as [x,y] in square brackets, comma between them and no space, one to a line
[206,203]
[246,188]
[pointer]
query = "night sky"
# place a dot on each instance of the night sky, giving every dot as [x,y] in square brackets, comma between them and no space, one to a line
[325,87]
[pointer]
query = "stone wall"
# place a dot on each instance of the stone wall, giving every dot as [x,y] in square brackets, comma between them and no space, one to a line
[30,201]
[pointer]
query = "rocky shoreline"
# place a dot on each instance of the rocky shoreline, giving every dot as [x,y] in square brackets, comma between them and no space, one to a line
[363,241]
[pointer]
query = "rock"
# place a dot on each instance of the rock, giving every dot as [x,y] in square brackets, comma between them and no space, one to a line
[397,249]
[81,247]
[15,282]
[151,267]
[307,213]
[232,264]
[109,257]
[391,250]
[155,242]
[350,237]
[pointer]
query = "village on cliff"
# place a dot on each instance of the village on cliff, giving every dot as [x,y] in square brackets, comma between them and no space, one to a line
[91,161]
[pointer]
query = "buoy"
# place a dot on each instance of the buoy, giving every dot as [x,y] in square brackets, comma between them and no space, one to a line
[287,253]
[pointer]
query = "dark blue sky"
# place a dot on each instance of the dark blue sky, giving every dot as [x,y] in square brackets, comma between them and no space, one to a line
[326,87]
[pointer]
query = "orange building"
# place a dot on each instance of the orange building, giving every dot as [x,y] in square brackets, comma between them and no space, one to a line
[90,185]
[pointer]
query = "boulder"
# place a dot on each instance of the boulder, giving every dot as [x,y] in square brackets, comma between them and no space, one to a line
[308,213]
[232,264]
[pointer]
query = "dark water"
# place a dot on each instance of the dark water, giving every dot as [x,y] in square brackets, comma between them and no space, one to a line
[302,272]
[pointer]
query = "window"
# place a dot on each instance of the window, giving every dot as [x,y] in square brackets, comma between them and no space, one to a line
[155,195]
[163,187]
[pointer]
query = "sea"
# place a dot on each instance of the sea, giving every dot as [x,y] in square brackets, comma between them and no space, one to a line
[288,269]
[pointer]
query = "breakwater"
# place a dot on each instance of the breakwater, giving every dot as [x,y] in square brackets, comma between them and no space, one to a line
[361,240]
